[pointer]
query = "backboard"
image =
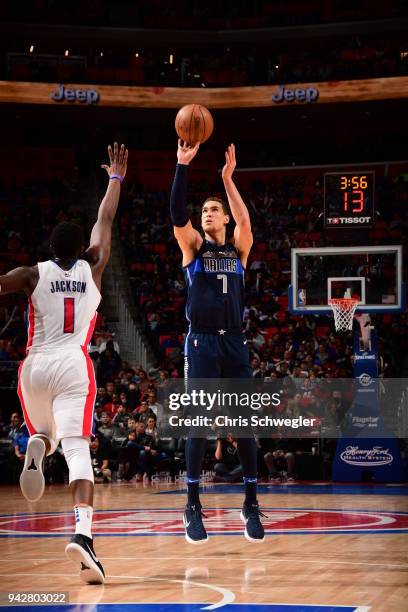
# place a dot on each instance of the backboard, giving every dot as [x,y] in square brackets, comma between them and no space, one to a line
[372,274]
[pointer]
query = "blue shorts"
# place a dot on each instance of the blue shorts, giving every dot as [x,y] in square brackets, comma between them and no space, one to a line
[216,356]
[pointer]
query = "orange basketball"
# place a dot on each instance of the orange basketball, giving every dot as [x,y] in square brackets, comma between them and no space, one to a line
[194,123]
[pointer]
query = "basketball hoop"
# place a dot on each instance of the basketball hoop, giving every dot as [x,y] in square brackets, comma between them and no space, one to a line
[343,310]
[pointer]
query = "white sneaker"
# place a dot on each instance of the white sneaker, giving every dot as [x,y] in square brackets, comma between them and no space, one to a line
[32,482]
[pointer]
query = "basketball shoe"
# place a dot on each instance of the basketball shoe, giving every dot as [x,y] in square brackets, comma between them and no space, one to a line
[193,523]
[32,482]
[250,516]
[80,550]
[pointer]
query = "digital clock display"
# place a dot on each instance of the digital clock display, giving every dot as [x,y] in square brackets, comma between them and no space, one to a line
[348,199]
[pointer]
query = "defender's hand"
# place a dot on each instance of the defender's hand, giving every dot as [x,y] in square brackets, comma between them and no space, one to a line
[230,163]
[185,152]
[118,161]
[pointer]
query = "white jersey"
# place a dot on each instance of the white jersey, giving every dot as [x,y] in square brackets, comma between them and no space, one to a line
[62,307]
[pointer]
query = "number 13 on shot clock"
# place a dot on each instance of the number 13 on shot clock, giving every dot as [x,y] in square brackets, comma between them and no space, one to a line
[348,199]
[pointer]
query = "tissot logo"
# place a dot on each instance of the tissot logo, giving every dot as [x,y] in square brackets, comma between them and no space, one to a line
[84,96]
[348,220]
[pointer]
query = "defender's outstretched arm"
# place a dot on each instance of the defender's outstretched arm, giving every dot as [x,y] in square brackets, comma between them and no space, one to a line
[16,280]
[99,249]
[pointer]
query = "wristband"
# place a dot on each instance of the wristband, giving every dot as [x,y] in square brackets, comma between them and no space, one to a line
[116,176]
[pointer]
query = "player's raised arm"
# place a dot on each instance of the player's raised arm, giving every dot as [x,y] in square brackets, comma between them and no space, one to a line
[188,238]
[243,238]
[99,249]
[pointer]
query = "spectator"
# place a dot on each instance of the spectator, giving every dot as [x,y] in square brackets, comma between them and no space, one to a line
[143,413]
[147,452]
[128,454]
[107,429]
[15,423]
[121,418]
[110,391]
[102,396]
[262,371]
[100,457]
[109,344]
[136,455]
[143,380]
[20,441]
[228,467]
[321,355]
[163,380]
[280,460]
[131,424]
[112,407]
[123,399]
[133,396]
[151,430]
[154,406]
[110,363]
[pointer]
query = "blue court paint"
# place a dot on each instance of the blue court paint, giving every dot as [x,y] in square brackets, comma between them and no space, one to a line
[174,607]
[300,489]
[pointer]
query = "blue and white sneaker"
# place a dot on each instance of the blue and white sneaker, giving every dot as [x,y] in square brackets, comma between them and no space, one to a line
[250,516]
[193,523]
[80,551]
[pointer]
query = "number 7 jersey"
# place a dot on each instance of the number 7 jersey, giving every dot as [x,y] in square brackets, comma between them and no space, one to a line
[215,283]
[62,307]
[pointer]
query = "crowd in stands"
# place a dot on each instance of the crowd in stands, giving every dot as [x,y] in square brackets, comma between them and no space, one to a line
[219,66]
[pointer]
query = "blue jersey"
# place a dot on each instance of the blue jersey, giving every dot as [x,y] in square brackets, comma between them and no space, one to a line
[215,281]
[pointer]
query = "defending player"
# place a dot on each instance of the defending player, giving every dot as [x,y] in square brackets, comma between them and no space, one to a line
[215,345]
[56,383]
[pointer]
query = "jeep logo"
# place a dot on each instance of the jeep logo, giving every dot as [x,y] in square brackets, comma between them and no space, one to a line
[84,96]
[308,95]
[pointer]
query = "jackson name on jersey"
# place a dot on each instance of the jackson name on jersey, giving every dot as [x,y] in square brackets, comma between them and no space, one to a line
[67,286]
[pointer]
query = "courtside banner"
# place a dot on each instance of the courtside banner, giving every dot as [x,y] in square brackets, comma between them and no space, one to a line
[68,94]
[297,407]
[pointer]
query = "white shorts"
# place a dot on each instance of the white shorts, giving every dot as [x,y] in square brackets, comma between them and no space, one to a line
[57,392]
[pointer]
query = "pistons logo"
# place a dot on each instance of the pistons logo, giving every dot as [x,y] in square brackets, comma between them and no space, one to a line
[220,521]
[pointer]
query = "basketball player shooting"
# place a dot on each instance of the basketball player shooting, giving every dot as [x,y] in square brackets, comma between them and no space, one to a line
[215,345]
[56,383]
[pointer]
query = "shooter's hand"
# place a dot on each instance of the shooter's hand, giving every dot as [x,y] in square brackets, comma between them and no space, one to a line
[186,152]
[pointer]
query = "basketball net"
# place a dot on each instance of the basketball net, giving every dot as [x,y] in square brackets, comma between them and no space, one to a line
[343,310]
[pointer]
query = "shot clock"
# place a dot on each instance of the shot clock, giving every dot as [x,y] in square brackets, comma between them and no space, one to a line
[348,199]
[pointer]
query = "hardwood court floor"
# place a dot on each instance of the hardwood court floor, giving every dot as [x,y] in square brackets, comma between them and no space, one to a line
[326,547]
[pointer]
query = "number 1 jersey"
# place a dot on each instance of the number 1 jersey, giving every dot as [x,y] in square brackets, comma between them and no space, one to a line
[62,307]
[215,282]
